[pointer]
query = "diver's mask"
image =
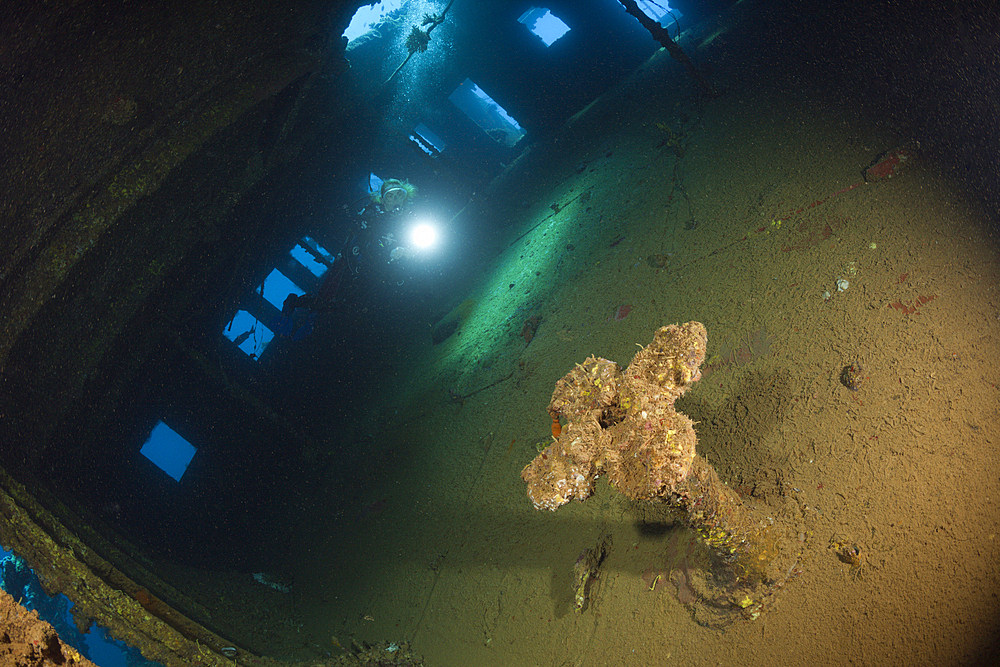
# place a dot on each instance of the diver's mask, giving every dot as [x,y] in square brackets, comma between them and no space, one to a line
[393,197]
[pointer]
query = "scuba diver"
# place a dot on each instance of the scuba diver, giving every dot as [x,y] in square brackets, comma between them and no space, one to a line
[388,198]
[299,311]
[393,194]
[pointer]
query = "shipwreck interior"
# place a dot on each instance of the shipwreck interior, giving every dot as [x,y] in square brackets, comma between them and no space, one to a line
[285,298]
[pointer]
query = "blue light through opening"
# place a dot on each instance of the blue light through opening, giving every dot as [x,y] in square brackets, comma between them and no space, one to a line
[426,140]
[277,287]
[307,260]
[367,17]
[543,24]
[248,333]
[486,113]
[322,253]
[21,582]
[170,452]
[661,12]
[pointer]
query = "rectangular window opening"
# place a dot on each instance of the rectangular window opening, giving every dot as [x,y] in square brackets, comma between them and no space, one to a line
[170,452]
[427,141]
[248,333]
[487,114]
[543,24]
[310,259]
[277,287]
[661,12]
[319,251]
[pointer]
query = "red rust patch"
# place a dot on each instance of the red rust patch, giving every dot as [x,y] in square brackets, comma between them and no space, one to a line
[910,306]
[886,165]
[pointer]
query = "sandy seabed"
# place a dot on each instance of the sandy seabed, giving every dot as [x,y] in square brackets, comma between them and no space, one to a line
[738,212]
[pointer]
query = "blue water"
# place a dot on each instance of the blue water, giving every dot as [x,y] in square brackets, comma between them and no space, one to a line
[21,582]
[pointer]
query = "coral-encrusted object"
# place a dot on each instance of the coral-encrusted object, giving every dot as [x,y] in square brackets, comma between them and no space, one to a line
[622,424]
[852,376]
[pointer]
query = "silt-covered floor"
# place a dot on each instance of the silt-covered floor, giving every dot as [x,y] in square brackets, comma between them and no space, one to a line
[738,212]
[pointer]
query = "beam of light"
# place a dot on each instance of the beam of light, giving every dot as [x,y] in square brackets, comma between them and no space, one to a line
[424,236]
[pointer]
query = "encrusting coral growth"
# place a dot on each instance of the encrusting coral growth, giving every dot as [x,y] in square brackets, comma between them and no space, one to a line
[623,424]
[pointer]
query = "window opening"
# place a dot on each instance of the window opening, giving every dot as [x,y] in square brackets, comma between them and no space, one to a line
[248,334]
[426,140]
[308,260]
[319,251]
[369,16]
[662,13]
[544,25]
[168,450]
[277,286]
[487,114]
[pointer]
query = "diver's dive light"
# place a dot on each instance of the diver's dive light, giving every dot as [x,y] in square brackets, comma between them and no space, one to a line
[424,236]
